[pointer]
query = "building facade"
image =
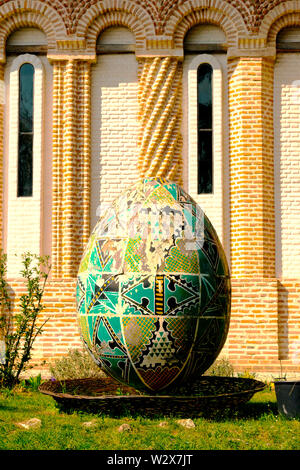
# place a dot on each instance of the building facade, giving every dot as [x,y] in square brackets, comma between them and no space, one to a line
[97,93]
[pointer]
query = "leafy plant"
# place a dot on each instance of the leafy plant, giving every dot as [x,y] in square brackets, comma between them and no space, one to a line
[221,367]
[32,383]
[246,375]
[63,387]
[121,393]
[21,329]
[77,364]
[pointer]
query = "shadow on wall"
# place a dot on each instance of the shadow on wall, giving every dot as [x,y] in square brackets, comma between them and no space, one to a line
[282,323]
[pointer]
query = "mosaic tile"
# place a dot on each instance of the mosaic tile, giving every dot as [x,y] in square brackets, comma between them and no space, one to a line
[138,295]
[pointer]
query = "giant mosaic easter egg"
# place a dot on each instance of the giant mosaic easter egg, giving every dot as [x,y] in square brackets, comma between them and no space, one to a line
[153,289]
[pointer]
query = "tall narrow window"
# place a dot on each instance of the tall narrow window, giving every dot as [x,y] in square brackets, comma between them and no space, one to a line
[205,131]
[25,143]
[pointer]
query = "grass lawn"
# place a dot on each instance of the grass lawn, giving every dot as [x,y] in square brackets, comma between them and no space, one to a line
[254,426]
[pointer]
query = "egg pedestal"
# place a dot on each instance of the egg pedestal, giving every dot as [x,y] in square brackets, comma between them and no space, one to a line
[153,288]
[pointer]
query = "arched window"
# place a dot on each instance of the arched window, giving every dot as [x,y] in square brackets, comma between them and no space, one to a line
[205,125]
[25,137]
[205,129]
[27,147]
[24,156]
[26,96]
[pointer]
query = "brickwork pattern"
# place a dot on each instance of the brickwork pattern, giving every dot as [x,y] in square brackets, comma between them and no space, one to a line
[265,308]
[251,167]
[71,165]
[217,17]
[57,168]
[252,11]
[114,129]
[160,140]
[287,166]
[61,332]
[101,16]
[288,323]
[254,314]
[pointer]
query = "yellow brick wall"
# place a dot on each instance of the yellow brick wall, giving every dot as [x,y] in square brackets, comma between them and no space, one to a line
[160,140]
[71,165]
[114,129]
[251,167]
[286,164]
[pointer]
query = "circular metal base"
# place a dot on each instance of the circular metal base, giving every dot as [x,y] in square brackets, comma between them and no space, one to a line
[106,395]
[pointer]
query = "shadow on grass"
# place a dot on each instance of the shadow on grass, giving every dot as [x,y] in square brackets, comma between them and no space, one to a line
[244,411]
[8,408]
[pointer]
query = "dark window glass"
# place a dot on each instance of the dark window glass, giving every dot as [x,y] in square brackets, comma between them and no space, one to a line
[25,163]
[205,163]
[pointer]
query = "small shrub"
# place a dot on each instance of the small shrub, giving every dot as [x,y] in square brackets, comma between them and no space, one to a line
[32,383]
[246,375]
[221,367]
[77,364]
[20,330]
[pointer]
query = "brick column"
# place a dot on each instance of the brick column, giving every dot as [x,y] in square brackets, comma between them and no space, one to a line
[252,341]
[71,165]
[251,167]
[160,140]
[57,167]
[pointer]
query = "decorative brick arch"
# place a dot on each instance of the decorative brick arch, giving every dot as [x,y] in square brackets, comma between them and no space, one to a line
[37,14]
[103,15]
[222,14]
[284,14]
[292,19]
[115,18]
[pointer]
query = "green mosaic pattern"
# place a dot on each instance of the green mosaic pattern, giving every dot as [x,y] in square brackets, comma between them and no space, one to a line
[153,288]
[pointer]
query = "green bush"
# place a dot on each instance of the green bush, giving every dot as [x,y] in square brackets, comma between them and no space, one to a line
[19,330]
[32,383]
[77,364]
[221,367]
[246,375]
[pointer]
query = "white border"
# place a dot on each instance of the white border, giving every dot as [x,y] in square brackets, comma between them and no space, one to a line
[24,214]
[214,201]
[14,124]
